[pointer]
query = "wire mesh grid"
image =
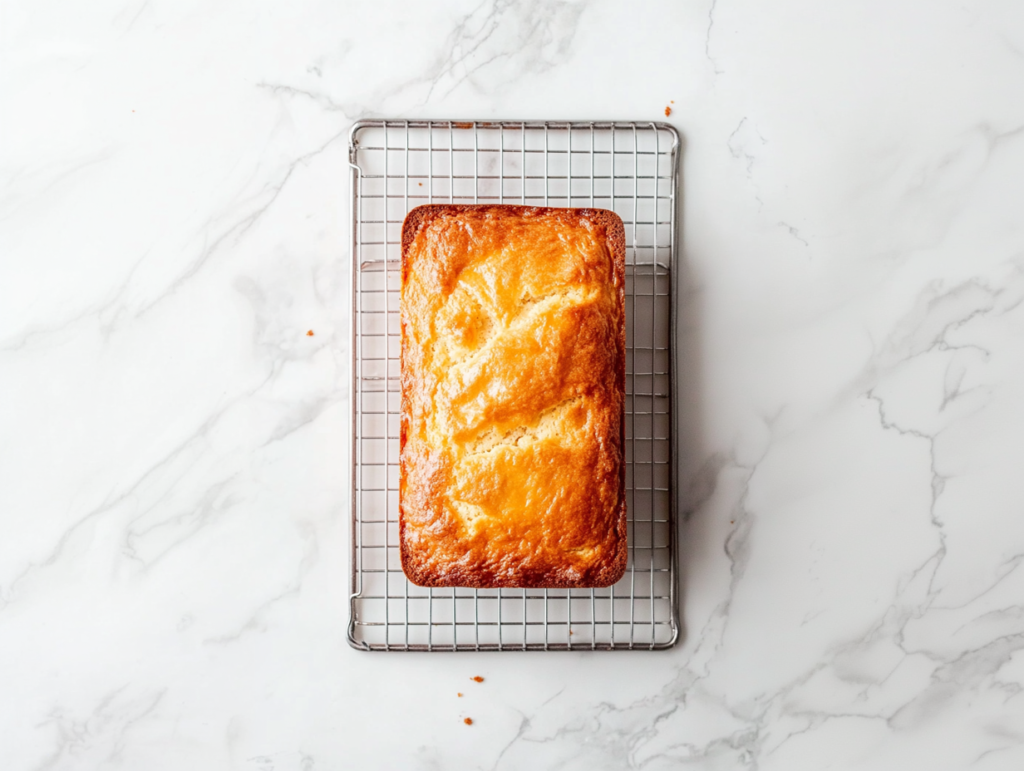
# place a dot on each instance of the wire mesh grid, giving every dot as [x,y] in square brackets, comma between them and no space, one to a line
[629,168]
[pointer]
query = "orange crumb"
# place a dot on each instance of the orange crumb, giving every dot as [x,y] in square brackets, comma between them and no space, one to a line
[671,101]
[468,721]
[477,679]
[668,111]
[420,184]
[460,695]
[309,333]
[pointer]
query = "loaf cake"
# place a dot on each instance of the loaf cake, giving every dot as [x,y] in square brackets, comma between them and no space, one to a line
[513,380]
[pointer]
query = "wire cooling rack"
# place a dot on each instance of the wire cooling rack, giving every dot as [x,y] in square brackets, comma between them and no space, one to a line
[629,168]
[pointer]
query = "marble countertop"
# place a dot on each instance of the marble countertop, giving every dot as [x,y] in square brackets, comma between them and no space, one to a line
[174,520]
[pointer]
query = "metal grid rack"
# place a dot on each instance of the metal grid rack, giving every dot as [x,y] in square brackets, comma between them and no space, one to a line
[629,168]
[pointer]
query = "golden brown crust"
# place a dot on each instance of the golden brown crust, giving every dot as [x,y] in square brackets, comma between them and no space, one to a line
[513,383]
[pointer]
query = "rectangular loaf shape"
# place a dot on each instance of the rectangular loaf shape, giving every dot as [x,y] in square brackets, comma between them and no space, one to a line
[513,382]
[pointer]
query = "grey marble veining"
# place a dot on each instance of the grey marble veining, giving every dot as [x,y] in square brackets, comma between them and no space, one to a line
[173,489]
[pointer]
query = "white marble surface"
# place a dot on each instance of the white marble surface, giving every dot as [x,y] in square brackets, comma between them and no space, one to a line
[173,495]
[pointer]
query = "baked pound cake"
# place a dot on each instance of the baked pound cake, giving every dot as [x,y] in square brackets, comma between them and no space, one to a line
[513,381]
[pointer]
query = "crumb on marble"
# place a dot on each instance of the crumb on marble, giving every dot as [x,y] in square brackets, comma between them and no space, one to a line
[459,695]
[468,721]
[477,679]
[309,333]
[668,110]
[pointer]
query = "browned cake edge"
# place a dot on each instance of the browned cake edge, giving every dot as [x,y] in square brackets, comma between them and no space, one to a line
[615,235]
